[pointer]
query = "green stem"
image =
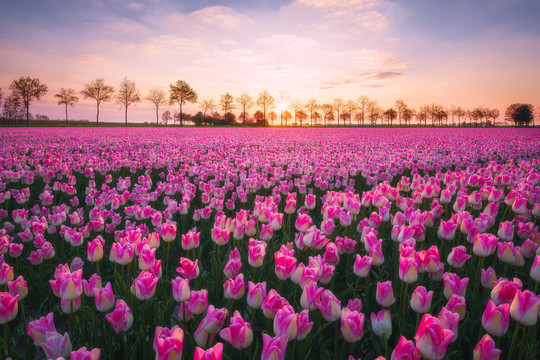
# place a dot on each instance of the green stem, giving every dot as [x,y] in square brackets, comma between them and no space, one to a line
[23,315]
[7,338]
[336,340]
[71,335]
[523,343]
[516,330]
[168,256]
[404,300]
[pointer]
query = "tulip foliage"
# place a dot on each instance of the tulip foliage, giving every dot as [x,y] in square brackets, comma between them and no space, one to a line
[270,244]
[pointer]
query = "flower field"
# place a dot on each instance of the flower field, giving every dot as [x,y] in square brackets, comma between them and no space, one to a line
[269,243]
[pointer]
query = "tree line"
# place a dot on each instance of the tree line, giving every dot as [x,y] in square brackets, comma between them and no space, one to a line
[272,110]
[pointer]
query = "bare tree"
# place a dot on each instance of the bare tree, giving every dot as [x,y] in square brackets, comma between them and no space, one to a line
[301,116]
[374,111]
[29,89]
[350,107]
[296,106]
[245,101]
[98,91]
[401,107]
[181,93]
[157,97]
[227,104]
[338,106]
[127,95]
[326,110]
[407,115]
[312,107]
[363,102]
[282,100]
[266,102]
[390,115]
[166,116]
[207,105]
[423,113]
[66,97]
[13,107]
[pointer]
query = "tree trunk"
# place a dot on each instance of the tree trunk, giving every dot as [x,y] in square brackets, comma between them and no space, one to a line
[27,114]
[157,116]
[181,119]
[126,116]
[66,116]
[97,115]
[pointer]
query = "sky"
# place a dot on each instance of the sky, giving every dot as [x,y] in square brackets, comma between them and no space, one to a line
[451,52]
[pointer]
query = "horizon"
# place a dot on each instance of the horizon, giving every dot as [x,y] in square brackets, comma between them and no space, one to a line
[465,54]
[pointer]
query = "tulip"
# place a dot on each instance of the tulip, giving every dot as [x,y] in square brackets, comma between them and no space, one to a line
[405,350]
[496,319]
[274,348]
[256,252]
[214,353]
[449,320]
[285,322]
[38,329]
[303,222]
[524,308]
[506,231]
[329,306]
[220,236]
[453,284]
[180,289]
[303,325]
[362,265]
[352,325]
[8,307]
[447,230]
[381,324]
[95,250]
[421,300]
[284,265]
[121,318]
[408,270]
[485,244]
[6,273]
[168,232]
[93,283]
[191,240]
[505,291]
[458,256]
[239,333]
[272,303]
[198,301]
[234,288]
[485,349]
[431,339]
[18,287]
[188,269]
[146,257]
[310,294]
[56,345]
[385,294]
[144,286]
[535,269]
[85,354]
[488,278]
[234,264]
[256,294]
[267,232]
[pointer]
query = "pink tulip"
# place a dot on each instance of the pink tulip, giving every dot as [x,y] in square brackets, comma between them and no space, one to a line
[8,307]
[385,294]
[488,278]
[310,294]
[104,298]
[496,319]
[272,303]
[524,308]
[458,305]
[210,325]
[362,265]
[345,245]
[122,253]
[449,320]
[431,339]
[506,231]
[18,287]
[331,255]
[485,349]
[191,240]
[408,270]
[234,288]
[505,291]
[6,273]
[303,325]
[168,232]
[327,226]
[458,256]
[485,244]
[188,269]
[38,329]
[220,236]
[447,230]
[310,202]
[421,300]
[405,350]
[214,353]
[95,250]
[352,325]
[303,222]
[93,283]
[285,322]
[168,344]
[239,333]
[144,286]
[284,265]
[256,294]
[453,284]
[56,345]
[329,306]
[256,252]
[147,257]
[274,348]
[180,289]
[198,301]
[381,324]
[121,318]
[85,354]
[267,232]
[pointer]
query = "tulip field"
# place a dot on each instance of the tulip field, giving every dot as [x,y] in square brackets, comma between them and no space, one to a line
[239,243]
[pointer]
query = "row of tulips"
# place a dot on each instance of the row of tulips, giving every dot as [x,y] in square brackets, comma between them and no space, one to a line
[276,250]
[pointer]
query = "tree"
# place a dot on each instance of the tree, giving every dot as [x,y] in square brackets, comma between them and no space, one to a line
[166,116]
[345,116]
[327,110]
[283,102]
[301,116]
[227,104]
[127,95]
[338,106]
[98,91]
[272,117]
[390,115]
[259,118]
[459,112]
[286,115]
[157,97]
[296,106]
[520,114]
[245,101]
[312,107]
[350,107]
[477,114]
[407,115]
[493,114]
[401,107]
[422,114]
[181,93]
[374,111]
[207,105]
[29,89]
[363,102]
[13,107]
[66,97]
[266,102]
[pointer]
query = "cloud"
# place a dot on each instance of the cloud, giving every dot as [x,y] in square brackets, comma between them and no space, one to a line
[363,79]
